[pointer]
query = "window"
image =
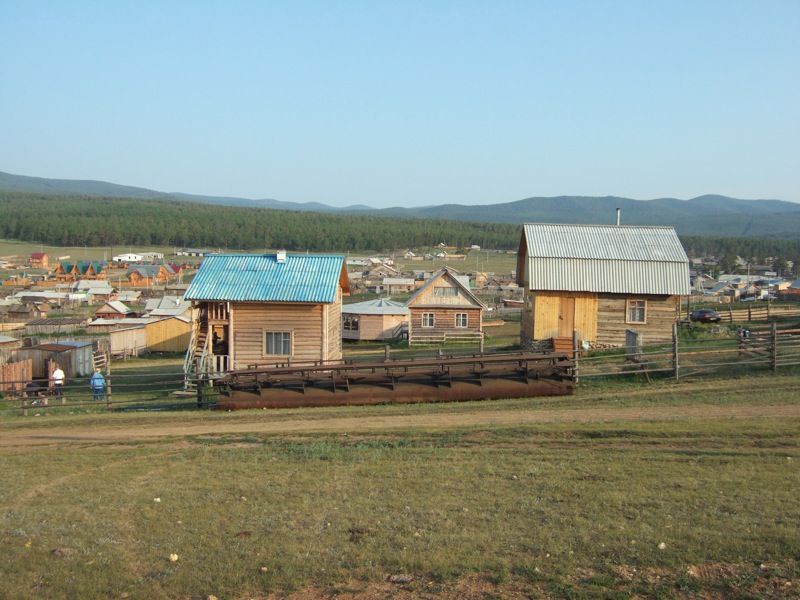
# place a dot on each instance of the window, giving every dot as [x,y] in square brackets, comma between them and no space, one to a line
[636,312]
[428,320]
[278,342]
[445,291]
[350,322]
[462,320]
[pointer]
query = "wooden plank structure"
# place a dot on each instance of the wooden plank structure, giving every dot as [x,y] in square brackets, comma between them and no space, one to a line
[438,379]
[599,281]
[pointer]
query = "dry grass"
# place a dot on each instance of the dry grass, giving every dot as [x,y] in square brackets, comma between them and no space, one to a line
[565,509]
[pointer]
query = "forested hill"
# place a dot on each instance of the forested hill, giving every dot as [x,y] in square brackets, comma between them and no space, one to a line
[704,215]
[91,221]
[78,221]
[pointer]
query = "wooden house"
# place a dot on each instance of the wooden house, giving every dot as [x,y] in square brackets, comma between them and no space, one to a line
[114,309]
[67,271]
[380,319]
[39,260]
[64,271]
[22,313]
[148,275]
[251,310]
[599,281]
[398,285]
[444,309]
[168,334]
[379,271]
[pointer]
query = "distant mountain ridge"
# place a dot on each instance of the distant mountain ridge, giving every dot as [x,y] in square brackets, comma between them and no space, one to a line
[703,215]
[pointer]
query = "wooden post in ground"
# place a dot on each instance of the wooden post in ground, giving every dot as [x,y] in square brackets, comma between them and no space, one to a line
[198,380]
[108,394]
[386,353]
[773,354]
[575,350]
[675,365]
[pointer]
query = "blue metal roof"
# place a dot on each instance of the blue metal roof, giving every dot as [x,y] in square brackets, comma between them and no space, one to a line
[261,278]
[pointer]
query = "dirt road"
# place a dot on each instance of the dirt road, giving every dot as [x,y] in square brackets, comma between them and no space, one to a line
[261,423]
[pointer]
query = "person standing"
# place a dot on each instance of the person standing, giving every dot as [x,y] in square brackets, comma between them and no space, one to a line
[98,384]
[58,378]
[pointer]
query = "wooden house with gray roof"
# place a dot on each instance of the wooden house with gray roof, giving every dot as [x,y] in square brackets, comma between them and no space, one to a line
[599,281]
[381,319]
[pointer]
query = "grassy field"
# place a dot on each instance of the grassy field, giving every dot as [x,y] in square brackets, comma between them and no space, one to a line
[671,491]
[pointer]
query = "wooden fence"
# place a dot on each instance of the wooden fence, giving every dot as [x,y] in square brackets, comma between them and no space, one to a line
[14,376]
[765,346]
[763,311]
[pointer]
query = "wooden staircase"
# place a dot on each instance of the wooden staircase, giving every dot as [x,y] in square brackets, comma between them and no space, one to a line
[196,354]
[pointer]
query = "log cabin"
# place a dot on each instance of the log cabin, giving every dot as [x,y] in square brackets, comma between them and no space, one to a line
[444,309]
[114,309]
[148,275]
[67,271]
[599,281]
[257,310]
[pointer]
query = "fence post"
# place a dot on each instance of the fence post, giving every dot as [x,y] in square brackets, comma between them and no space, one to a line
[675,365]
[773,334]
[386,353]
[749,313]
[575,355]
[108,394]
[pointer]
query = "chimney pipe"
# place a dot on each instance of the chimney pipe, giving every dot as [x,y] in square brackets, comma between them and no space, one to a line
[618,211]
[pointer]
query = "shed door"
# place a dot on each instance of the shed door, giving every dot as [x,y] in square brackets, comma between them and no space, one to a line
[566,317]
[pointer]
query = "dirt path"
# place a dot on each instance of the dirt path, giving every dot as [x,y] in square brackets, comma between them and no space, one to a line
[261,423]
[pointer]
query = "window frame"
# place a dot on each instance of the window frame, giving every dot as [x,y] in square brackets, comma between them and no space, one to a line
[432,320]
[265,345]
[354,322]
[466,320]
[439,291]
[629,302]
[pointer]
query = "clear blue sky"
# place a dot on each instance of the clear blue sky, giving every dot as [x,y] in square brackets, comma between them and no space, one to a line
[406,103]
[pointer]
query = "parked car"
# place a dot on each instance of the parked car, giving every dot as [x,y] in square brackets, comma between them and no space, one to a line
[705,315]
[749,299]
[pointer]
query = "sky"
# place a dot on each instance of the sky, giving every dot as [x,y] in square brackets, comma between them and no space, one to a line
[406,103]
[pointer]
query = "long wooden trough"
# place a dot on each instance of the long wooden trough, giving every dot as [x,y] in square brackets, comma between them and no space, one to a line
[440,379]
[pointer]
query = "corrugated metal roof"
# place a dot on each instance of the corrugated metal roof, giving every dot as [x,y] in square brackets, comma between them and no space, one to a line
[605,258]
[261,278]
[381,306]
[604,242]
[118,306]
